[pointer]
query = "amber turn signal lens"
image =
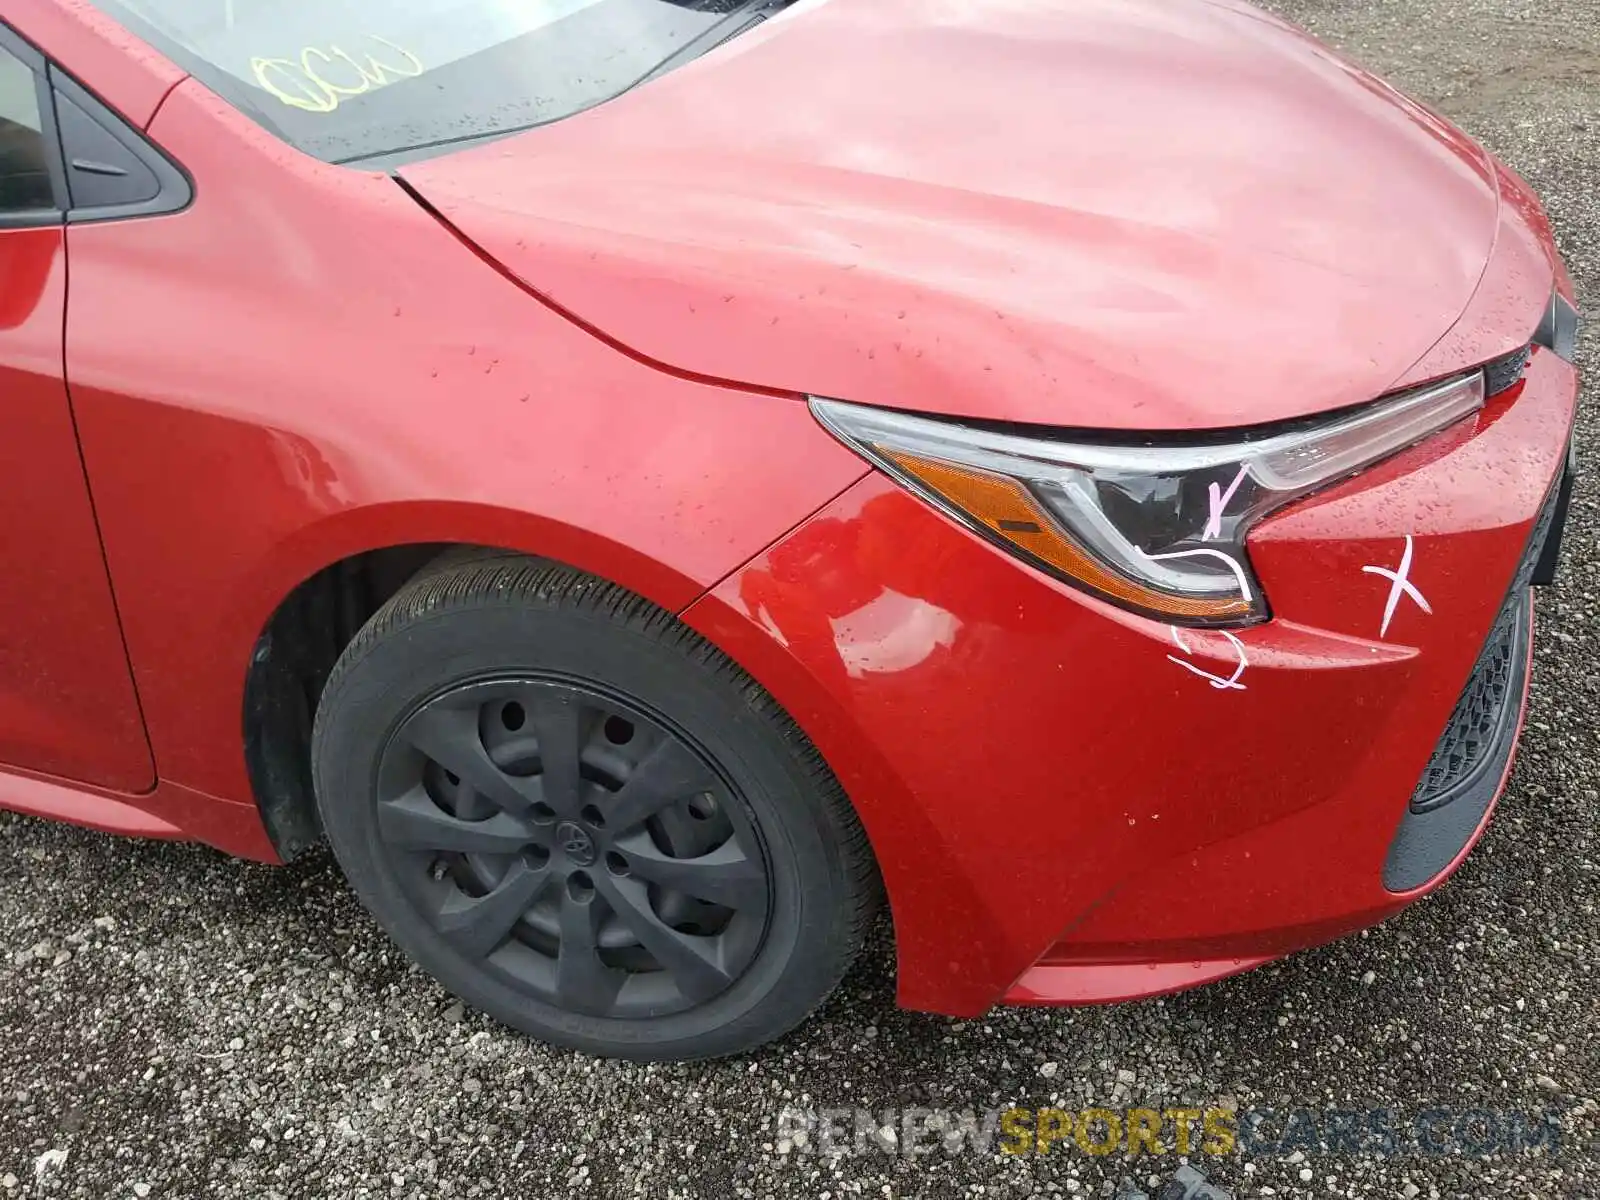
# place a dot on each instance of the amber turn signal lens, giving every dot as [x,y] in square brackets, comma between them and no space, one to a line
[1006,509]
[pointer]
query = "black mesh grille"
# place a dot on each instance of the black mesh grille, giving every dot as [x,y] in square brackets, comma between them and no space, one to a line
[1504,372]
[1475,724]
[1493,689]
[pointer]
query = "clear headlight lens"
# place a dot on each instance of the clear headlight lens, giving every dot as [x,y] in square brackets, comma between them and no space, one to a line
[1158,529]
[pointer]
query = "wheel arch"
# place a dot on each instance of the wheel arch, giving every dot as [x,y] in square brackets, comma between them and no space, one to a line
[317,592]
[314,592]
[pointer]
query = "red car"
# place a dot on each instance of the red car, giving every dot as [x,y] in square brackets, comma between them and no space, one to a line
[640,494]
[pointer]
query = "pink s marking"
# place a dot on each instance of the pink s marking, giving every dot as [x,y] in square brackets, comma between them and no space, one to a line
[1215,681]
[1219,501]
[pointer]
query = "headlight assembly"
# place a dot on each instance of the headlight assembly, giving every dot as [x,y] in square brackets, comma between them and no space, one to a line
[1158,529]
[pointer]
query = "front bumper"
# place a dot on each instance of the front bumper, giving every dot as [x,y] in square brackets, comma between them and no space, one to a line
[1064,814]
[1470,762]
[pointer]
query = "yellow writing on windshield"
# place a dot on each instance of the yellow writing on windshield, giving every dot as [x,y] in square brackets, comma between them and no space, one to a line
[320,78]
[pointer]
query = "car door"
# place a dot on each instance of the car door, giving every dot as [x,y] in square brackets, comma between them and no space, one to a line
[67,703]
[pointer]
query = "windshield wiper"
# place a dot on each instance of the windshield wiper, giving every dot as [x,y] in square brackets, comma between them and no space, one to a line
[729,25]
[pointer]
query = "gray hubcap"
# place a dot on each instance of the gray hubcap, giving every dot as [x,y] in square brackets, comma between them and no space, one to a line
[573,845]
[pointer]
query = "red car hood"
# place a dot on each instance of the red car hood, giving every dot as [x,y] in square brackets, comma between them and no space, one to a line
[1116,213]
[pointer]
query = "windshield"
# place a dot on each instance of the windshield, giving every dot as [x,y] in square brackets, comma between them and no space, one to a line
[357,79]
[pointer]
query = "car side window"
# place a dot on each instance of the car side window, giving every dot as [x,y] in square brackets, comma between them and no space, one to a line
[24,160]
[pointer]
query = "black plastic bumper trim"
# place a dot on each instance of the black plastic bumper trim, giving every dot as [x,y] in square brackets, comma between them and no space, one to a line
[1544,570]
[1428,841]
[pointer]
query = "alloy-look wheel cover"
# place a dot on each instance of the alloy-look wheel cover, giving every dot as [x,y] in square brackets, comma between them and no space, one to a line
[573,845]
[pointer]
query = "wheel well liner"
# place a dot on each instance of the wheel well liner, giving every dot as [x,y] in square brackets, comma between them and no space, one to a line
[289,667]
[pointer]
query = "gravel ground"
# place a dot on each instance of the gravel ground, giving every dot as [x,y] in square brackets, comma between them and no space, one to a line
[178,1024]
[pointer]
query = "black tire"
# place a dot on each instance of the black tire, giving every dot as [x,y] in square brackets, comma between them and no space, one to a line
[487,664]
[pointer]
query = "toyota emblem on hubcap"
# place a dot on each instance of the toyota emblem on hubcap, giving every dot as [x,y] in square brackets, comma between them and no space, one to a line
[575,842]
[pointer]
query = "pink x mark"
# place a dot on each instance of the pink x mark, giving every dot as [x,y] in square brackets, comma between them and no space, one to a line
[1399,584]
[1219,501]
